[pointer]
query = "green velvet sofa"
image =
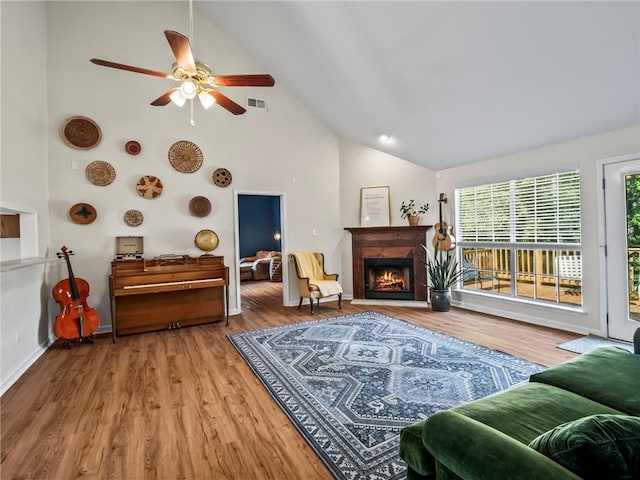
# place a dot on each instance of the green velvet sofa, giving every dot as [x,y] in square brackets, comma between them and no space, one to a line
[489,438]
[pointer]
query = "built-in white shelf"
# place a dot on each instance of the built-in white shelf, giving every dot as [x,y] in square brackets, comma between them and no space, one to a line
[9,265]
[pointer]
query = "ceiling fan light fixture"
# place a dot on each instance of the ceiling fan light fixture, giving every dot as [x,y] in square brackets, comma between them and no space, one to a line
[177,97]
[194,77]
[188,89]
[206,99]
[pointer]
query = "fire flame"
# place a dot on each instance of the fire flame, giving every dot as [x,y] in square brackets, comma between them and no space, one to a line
[389,280]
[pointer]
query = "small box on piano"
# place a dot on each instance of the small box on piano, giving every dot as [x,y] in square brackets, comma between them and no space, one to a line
[129,248]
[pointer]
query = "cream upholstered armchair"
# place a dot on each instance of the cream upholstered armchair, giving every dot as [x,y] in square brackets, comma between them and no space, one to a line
[313,281]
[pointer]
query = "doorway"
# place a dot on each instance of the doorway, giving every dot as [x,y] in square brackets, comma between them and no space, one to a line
[622,236]
[259,226]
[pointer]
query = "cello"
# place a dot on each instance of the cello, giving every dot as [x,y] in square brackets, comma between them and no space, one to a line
[76,320]
[443,240]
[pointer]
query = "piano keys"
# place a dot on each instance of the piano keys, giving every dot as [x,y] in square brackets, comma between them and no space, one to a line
[158,294]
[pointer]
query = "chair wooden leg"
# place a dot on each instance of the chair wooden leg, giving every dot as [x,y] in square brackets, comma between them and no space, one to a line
[300,304]
[340,300]
[311,304]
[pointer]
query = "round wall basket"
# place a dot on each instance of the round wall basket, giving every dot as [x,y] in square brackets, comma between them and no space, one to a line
[185,157]
[199,206]
[100,173]
[133,218]
[83,213]
[206,240]
[132,147]
[222,177]
[80,132]
[149,186]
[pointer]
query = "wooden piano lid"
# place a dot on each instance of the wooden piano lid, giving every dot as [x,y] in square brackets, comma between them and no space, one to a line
[168,262]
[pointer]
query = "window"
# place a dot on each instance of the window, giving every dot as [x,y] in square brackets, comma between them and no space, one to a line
[521,238]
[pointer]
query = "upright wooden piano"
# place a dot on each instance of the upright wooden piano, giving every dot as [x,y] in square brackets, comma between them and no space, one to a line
[168,292]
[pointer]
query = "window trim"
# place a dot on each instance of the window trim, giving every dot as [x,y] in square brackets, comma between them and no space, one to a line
[512,246]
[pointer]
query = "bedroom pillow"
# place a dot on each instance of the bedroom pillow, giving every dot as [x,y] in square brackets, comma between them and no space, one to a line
[595,447]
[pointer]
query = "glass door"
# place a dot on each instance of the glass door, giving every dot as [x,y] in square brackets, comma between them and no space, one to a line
[622,219]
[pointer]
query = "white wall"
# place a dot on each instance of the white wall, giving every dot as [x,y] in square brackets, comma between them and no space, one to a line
[24,327]
[583,153]
[284,149]
[362,166]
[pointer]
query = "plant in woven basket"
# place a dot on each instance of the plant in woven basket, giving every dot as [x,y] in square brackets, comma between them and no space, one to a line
[410,209]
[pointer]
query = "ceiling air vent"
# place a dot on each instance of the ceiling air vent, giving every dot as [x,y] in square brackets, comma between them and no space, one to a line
[257,103]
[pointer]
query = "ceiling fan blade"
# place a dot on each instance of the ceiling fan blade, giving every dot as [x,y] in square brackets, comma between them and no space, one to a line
[129,68]
[181,49]
[226,102]
[163,99]
[244,80]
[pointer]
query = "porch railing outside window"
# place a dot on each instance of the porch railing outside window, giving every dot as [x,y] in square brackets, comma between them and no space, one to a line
[522,238]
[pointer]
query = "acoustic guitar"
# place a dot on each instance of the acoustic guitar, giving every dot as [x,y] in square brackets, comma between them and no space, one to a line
[443,238]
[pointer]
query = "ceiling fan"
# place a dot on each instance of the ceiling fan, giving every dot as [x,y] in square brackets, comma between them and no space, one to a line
[195,78]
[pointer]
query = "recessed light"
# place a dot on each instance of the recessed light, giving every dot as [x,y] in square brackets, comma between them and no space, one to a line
[385,138]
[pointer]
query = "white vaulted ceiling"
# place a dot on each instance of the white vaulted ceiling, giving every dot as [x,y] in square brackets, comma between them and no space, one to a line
[452,82]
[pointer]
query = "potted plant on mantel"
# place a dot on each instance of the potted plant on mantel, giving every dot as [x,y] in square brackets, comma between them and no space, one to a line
[412,212]
[442,273]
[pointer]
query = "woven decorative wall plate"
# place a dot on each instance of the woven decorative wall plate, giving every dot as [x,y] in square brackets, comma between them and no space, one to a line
[185,156]
[149,186]
[133,218]
[80,132]
[222,177]
[132,147]
[83,213]
[199,206]
[100,173]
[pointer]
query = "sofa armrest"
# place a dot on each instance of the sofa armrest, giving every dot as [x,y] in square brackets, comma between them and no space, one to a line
[471,449]
[247,259]
[263,260]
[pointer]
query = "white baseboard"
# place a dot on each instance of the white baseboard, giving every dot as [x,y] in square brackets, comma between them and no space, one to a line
[31,359]
[536,320]
[333,298]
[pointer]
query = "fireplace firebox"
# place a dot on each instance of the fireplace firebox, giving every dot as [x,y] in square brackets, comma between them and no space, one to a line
[389,243]
[388,278]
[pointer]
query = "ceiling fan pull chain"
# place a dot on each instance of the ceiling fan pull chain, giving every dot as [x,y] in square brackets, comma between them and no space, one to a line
[193,124]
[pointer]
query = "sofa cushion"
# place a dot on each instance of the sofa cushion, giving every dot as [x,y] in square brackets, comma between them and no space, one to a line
[529,410]
[608,375]
[595,447]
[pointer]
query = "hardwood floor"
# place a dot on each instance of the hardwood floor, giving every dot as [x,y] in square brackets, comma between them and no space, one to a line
[183,404]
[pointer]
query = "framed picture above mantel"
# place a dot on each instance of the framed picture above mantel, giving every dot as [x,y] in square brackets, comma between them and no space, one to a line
[374,206]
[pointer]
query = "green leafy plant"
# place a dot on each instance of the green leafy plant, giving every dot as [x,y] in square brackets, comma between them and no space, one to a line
[410,209]
[442,269]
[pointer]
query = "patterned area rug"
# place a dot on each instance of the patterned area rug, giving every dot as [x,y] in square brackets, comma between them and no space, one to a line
[588,343]
[350,383]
